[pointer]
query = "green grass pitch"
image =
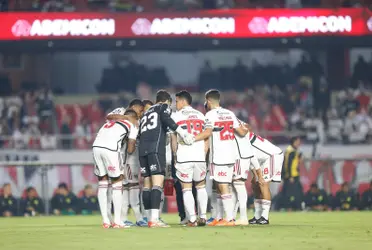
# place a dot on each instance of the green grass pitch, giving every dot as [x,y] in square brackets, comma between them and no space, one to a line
[329,231]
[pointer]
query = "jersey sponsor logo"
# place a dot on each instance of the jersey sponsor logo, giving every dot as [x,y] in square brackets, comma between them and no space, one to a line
[222,174]
[143,170]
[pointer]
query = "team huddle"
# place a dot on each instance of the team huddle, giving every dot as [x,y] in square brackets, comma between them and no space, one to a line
[143,139]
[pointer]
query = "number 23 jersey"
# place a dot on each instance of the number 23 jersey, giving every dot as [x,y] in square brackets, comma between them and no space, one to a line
[222,142]
[153,129]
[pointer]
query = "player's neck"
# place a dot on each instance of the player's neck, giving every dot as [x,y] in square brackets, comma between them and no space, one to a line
[215,106]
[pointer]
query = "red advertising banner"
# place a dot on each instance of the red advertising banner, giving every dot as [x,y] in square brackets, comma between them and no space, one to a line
[266,23]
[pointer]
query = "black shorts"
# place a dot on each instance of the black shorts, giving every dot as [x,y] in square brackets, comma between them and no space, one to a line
[152,164]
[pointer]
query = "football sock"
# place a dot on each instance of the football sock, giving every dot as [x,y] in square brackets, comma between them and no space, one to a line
[234,200]
[227,206]
[125,204]
[102,200]
[242,195]
[188,200]
[109,201]
[135,202]
[161,203]
[257,208]
[266,208]
[155,202]
[214,204]
[117,198]
[219,208]
[146,199]
[202,197]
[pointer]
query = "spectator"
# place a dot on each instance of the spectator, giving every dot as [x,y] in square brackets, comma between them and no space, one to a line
[88,203]
[357,127]
[314,128]
[58,6]
[64,202]
[32,205]
[350,104]
[8,204]
[125,6]
[20,138]
[367,198]
[335,126]
[316,199]
[82,133]
[48,141]
[45,105]
[345,199]
[4,132]
[292,188]
[66,133]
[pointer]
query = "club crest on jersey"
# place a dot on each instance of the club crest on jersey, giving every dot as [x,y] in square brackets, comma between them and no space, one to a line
[168,111]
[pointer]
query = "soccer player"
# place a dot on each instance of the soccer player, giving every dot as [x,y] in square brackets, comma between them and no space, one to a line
[107,158]
[271,159]
[245,158]
[153,128]
[221,124]
[118,114]
[190,160]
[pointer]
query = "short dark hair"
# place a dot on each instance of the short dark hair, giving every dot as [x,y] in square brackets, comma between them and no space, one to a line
[63,185]
[131,112]
[294,138]
[185,95]
[135,102]
[147,102]
[29,189]
[163,96]
[213,94]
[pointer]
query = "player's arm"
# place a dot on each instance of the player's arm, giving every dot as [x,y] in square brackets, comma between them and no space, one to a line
[239,128]
[174,144]
[166,119]
[133,134]
[256,170]
[208,128]
[206,146]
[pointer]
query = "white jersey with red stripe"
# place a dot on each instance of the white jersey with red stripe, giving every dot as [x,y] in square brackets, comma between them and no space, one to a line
[222,142]
[193,121]
[111,135]
[263,146]
[132,158]
[244,147]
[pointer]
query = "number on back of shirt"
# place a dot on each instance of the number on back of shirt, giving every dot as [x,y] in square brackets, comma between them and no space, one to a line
[149,122]
[194,127]
[227,130]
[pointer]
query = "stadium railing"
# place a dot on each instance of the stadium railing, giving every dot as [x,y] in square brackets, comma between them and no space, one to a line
[45,176]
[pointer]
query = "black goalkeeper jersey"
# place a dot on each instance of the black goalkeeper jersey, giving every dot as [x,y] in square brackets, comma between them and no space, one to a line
[154,125]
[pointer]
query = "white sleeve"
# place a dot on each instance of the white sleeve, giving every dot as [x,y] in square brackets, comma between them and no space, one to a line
[254,163]
[133,133]
[236,121]
[209,120]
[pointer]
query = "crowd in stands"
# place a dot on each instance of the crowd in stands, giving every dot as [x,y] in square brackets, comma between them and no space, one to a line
[167,5]
[65,202]
[272,98]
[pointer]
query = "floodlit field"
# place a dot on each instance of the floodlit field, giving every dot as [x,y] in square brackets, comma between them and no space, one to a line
[329,231]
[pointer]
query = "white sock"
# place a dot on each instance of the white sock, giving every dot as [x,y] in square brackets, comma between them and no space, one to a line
[214,204]
[161,203]
[219,208]
[242,195]
[234,199]
[109,201]
[257,208]
[202,197]
[125,204]
[135,202]
[266,204]
[154,215]
[227,206]
[189,202]
[117,198]
[102,200]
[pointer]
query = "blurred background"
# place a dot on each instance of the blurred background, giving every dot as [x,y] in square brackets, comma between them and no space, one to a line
[288,67]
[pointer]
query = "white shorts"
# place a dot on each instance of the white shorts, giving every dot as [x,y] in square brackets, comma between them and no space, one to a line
[241,169]
[272,168]
[191,171]
[107,162]
[221,173]
[131,172]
